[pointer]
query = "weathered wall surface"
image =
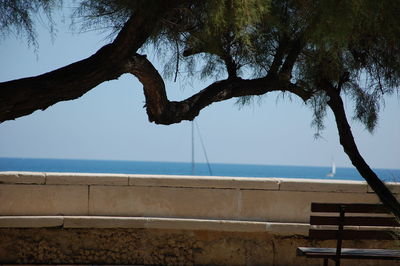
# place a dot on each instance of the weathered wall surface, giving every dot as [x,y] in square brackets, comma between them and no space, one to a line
[59,218]
[255,199]
[158,247]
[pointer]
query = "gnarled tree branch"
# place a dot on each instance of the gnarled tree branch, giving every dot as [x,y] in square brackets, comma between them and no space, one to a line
[162,111]
[24,96]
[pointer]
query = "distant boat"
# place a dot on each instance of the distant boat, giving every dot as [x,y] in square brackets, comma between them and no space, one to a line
[333,171]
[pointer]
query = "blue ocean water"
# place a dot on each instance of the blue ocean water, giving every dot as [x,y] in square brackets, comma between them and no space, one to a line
[171,168]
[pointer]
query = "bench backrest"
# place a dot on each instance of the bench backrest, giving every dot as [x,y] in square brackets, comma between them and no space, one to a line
[351,221]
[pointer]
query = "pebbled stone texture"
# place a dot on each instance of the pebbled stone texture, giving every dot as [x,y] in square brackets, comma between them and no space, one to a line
[131,246]
[157,247]
[102,246]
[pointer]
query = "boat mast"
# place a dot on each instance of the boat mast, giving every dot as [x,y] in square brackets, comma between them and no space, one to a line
[204,148]
[193,147]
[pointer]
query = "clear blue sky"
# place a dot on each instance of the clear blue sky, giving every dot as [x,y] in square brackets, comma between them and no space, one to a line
[110,123]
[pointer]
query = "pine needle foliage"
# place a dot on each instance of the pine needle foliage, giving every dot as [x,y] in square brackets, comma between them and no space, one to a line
[353,45]
[17,17]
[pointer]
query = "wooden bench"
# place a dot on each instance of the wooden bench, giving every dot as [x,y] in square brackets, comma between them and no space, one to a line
[351,222]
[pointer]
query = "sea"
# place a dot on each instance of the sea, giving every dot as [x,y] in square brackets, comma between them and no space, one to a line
[185,168]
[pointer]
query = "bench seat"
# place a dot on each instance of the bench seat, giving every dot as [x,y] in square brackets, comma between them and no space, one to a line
[350,253]
[351,221]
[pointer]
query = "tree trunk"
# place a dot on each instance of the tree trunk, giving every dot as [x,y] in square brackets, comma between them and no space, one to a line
[350,148]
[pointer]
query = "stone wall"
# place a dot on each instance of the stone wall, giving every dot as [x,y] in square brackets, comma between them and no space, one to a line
[158,247]
[59,218]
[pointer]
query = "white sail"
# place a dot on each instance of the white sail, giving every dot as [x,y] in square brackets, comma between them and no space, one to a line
[333,168]
[333,171]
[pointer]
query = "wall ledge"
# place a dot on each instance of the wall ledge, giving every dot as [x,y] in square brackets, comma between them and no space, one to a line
[152,223]
[22,178]
[210,182]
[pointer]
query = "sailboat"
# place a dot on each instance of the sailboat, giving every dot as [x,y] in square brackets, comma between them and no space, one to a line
[333,171]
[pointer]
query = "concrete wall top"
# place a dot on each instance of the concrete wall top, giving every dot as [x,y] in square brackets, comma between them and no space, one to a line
[283,200]
[283,184]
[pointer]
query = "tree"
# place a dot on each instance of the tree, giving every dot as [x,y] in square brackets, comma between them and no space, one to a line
[317,50]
